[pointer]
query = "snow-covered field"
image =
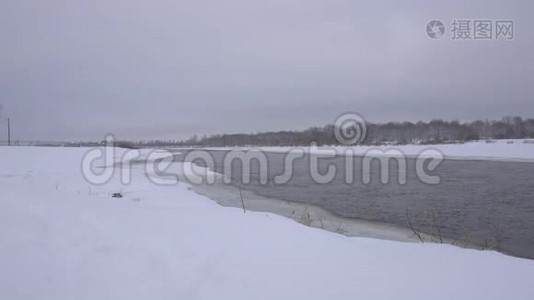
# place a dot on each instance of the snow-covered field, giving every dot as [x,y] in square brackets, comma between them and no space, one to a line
[62,238]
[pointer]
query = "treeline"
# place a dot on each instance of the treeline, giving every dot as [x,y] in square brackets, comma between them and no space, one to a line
[435,131]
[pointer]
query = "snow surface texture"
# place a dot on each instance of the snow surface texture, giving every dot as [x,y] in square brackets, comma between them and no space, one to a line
[62,238]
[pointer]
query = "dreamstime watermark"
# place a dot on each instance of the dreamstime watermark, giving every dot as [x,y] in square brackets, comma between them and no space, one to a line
[471,29]
[350,129]
[321,165]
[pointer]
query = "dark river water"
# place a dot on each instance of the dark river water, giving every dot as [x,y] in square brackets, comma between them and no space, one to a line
[478,202]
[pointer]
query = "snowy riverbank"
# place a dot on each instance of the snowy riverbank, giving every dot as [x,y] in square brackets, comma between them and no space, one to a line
[503,150]
[61,237]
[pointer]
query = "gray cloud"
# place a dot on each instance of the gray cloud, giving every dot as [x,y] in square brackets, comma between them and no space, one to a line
[171,69]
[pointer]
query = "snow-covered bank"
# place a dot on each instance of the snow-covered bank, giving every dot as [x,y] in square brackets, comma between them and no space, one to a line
[61,237]
[506,150]
[311,215]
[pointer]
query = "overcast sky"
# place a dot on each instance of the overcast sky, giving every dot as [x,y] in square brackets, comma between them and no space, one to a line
[171,69]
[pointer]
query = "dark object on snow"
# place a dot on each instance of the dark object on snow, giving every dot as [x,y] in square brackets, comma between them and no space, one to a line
[116,195]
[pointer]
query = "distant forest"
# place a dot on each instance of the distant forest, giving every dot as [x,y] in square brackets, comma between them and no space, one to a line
[397,133]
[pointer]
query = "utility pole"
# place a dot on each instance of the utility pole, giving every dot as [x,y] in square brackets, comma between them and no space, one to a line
[8,132]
